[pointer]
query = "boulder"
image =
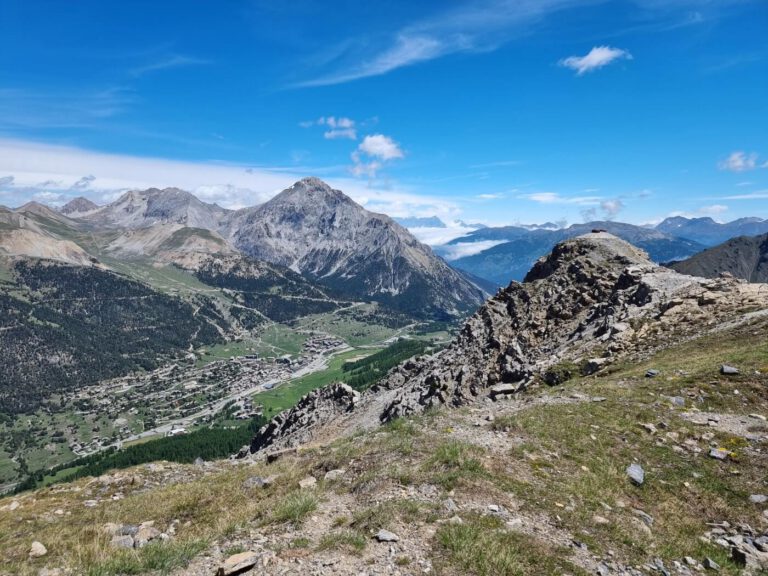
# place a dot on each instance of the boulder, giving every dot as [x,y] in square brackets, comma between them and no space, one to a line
[238,563]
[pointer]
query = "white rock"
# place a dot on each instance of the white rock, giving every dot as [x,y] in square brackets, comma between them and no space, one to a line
[37,550]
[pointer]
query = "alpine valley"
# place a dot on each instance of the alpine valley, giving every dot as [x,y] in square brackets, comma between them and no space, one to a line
[158,313]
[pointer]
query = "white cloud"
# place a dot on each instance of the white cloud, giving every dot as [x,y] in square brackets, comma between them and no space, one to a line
[555,198]
[368,169]
[598,57]
[341,127]
[739,161]
[337,133]
[495,196]
[380,149]
[456,251]
[380,146]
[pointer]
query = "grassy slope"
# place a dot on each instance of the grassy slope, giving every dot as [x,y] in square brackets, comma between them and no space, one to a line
[555,461]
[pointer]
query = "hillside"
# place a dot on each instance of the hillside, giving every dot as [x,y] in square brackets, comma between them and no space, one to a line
[517,478]
[744,257]
[64,327]
[518,248]
[326,236]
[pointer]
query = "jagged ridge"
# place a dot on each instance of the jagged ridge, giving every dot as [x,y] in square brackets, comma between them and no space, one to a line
[594,298]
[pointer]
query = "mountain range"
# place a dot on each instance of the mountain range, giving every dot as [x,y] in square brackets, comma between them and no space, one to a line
[310,229]
[509,252]
[708,232]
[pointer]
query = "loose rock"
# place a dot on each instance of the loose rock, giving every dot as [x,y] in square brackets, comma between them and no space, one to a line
[37,550]
[308,482]
[332,475]
[636,474]
[386,536]
[719,453]
[238,563]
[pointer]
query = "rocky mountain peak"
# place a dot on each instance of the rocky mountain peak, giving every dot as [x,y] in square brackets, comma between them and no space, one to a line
[78,205]
[604,253]
[144,208]
[312,193]
[323,234]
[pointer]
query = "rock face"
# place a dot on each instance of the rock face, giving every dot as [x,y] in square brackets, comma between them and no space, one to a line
[295,426]
[326,236]
[594,296]
[77,206]
[744,257]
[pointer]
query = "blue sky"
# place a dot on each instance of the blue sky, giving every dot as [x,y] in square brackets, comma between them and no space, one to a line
[497,111]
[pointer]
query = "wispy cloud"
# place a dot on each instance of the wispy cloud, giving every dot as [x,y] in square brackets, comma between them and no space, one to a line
[492,196]
[556,198]
[595,59]
[740,161]
[168,62]
[24,108]
[759,195]
[497,164]
[473,27]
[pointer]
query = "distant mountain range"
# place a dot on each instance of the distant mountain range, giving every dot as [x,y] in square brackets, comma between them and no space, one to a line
[510,251]
[745,257]
[309,229]
[708,232]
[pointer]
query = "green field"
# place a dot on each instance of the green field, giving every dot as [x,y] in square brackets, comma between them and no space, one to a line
[352,331]
[278,340]
[286,395]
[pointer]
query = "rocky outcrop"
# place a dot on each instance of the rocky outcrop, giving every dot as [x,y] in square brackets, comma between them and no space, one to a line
[593,300]
[295,426]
